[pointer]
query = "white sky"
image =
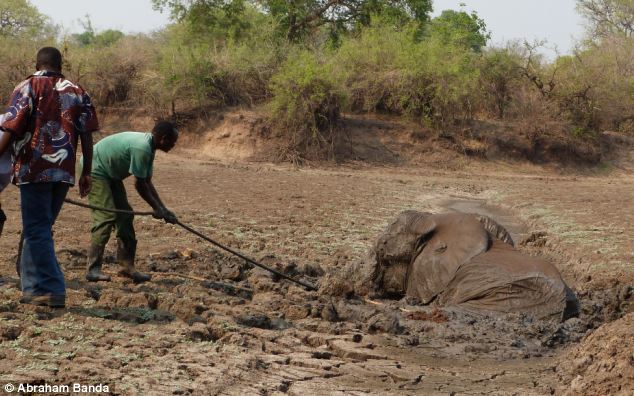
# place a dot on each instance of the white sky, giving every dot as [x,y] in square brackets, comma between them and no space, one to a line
[554,20]
[129,16]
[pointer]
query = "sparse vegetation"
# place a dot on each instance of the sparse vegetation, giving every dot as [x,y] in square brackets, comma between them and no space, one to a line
[309,63]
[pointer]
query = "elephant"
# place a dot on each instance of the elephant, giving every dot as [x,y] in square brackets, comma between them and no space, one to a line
[458,259]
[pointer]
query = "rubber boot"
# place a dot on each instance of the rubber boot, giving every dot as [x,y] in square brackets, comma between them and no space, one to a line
[3,218]
[48,300]
[95,259]
[126,252]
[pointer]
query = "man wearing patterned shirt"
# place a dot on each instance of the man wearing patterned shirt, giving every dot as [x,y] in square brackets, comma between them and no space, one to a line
[46,116]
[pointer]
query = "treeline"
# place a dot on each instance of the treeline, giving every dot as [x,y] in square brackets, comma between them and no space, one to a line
[308,61]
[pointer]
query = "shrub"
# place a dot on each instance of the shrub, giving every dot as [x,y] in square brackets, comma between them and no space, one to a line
[500,80]
[306,104]
[111,74]
[17,61]
[597,85]
[388,69]
[197,72]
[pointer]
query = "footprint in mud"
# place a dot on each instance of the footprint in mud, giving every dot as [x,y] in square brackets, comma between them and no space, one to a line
[262,321]
[229,289]
[128,315]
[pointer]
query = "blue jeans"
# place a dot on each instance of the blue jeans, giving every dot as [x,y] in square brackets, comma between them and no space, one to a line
[39,270]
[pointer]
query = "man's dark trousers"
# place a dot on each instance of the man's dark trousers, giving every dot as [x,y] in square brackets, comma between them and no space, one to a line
[39,269]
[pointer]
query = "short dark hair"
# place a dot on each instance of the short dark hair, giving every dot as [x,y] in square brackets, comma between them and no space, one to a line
[165,128]
[49,56]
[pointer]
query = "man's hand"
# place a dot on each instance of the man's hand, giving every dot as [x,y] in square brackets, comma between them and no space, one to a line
[165,214]
[170,217]
[85,185]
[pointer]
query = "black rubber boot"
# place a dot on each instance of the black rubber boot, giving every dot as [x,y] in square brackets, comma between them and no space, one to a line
[3,218]
[126,252]
[95,259]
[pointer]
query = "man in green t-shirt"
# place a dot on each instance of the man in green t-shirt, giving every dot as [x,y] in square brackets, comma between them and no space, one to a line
[115,158]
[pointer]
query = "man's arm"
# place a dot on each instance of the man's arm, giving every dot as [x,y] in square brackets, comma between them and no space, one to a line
[146,190]
[5,139]
[85,180]
[151,186]
[88,124]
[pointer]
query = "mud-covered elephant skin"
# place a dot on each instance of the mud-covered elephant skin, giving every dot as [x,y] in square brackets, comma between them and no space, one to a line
[458,259]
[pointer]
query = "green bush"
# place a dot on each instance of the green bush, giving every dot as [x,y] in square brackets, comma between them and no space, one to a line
[194,71]
[306,103]
[596,89]
[111,74]
[388,59]
[17,61]
[387,69]
[501,80]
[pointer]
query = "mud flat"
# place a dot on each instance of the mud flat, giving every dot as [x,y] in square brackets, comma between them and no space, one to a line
[209,324]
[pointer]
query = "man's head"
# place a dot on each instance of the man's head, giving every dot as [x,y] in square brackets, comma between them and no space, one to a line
[165,135]
[49,58]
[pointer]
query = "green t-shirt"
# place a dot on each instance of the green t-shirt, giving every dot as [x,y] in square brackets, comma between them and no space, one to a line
[123,154]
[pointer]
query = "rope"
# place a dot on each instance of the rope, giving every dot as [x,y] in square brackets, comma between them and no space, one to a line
[200,235]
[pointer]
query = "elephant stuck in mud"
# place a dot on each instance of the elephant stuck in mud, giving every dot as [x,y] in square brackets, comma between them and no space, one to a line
[456,259]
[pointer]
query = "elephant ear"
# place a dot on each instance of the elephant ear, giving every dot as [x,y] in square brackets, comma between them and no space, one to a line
[445,242]
[424,227]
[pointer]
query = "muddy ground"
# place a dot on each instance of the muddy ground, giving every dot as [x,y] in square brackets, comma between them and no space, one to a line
[208,324]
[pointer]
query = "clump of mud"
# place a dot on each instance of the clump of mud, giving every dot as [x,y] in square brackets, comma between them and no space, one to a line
[603,364]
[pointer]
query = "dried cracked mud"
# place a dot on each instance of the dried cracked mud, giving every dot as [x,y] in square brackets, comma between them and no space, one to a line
[210,324]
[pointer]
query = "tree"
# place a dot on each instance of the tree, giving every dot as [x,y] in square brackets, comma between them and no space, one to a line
[608,17]
[20,18]
[500,71]
[108,37]
[300,17]
[460,28]
[90,37]
[297,18]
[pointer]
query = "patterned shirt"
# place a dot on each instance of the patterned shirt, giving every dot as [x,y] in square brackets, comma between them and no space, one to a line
[46,115]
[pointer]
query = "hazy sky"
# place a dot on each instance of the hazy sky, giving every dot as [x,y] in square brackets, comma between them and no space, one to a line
[554,20]
[130,16]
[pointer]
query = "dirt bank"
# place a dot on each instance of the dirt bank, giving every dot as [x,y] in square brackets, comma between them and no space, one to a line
[239,134]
